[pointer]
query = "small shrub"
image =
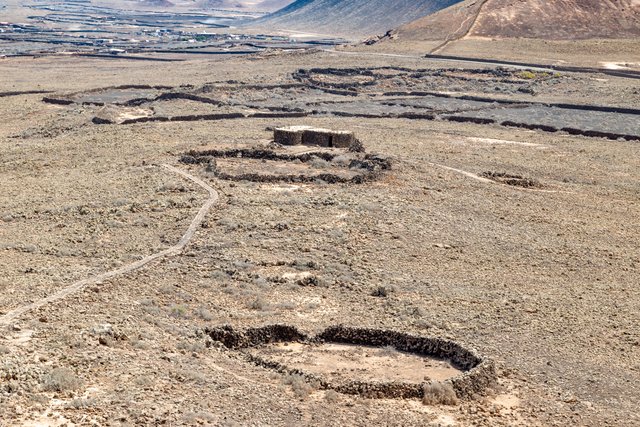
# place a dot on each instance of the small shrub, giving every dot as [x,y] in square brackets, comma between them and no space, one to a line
[318,163]
[332,396]
[139,344]
[192,347]
[527,75]
[437,393]
[178,311]
[168,289]
[342,160]
[219,275]
[261,281]
[151,309]
[204,314]
[388,351]
[61,379]
[287,305]
[80,403]
[259,304]
[243,265]
[301,388]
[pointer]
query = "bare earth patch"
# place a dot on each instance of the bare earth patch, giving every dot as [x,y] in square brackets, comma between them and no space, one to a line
[346,361]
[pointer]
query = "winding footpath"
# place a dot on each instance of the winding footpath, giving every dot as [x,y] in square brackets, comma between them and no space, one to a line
[453,37]
[8,318]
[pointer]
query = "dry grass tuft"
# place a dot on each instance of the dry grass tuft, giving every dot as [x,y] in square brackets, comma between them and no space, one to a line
[61,379]
[437,393]
[301,388]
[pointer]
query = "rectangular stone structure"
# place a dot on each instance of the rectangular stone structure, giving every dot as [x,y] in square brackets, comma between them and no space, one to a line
[316,136]
[342,139]
[290,135]
[308,135]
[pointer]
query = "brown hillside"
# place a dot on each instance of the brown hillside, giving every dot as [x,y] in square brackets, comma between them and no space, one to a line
[560,20]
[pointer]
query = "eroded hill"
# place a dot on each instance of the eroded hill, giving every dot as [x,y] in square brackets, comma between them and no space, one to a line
[555,20]
[350,18]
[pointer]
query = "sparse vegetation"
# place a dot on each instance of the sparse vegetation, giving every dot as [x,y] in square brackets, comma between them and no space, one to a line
[426,252]
[319,163]
[82,403]
[192,346]
[300,387]
[61,379]
[437,393]
[204,313]
[388,351]
[287,305]
[527,75]
[179,311]
[259,303]
[331,396]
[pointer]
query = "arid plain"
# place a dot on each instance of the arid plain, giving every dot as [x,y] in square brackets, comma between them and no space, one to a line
[144,205]
[519,243]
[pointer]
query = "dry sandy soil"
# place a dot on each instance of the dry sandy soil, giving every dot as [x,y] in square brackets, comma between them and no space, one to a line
[540,279]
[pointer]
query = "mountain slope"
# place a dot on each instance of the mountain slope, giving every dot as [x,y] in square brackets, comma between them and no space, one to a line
[258,5]
[349,17]
[545,19]
[272,5]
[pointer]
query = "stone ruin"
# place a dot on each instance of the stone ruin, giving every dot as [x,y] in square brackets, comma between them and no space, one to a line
[308,135]
[478,372]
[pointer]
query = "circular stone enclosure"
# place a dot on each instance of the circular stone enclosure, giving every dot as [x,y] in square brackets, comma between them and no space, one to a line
[371,363]
[260,164]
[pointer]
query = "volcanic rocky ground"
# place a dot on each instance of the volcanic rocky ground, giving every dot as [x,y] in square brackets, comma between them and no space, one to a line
[498,223]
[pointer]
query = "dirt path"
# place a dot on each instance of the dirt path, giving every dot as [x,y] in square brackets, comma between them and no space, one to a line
[11,316]
[485,180]
[453,37]
[391,55]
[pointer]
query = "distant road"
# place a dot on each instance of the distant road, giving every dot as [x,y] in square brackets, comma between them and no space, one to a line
[617,73]
[437,57]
